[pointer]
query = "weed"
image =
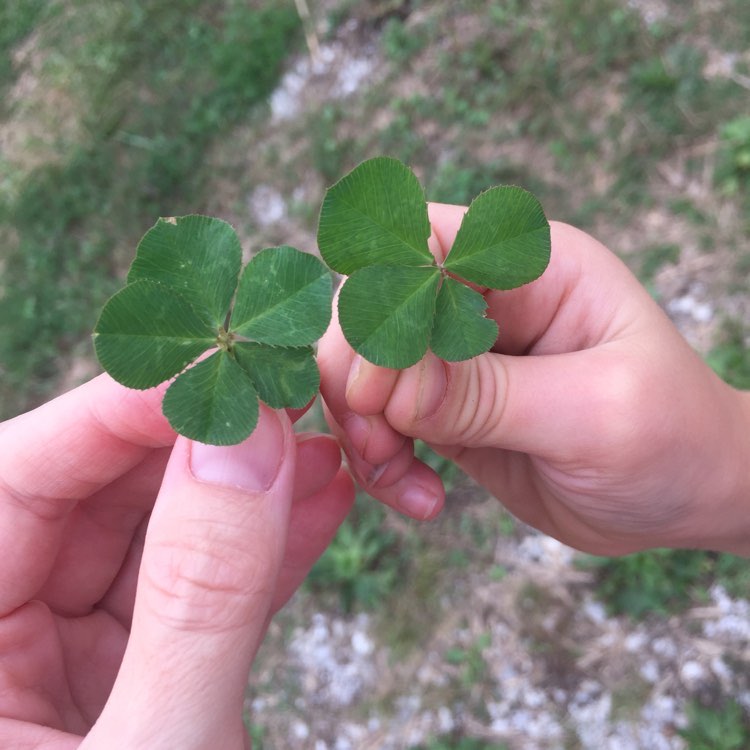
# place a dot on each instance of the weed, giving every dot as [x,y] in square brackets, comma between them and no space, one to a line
[17,21]
[400,43]
[458,180]
[456,741]
[730,358]
[403,625]
[329,152]
[662,581]
[726,727]
[362,563]
[473,667]
[653,259]
[257,735]
[732,173]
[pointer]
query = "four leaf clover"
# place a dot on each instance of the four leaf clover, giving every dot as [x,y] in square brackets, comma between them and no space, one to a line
[229,337]
[398,300]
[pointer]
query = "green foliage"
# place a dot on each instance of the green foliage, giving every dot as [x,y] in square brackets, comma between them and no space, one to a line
[153,84]
[257,735]
[177,305]
[456,741]
[400,43]
[733,164]
[459,180]
[730,358]
[362,563]
[17,20]
[653,259]
[473,667]
[374,226]
[328,150]
[664,581]
[725,727]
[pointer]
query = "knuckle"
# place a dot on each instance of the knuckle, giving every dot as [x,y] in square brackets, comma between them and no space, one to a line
[617,408]
[478,407]
[40,506]
[199,585]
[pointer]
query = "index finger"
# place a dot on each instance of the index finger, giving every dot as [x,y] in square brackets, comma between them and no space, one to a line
[58,454]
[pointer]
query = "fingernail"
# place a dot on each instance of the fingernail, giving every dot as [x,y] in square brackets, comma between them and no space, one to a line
[432,386]
[417,502]
[351,381]
[375,473]
[252,465]
[358,431]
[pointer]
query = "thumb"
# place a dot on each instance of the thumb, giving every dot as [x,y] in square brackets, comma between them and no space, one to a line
[554,405]
[212,554]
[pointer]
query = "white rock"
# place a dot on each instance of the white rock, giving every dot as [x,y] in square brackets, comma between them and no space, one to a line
[664,647]
[635,642]
[362,644]
[445,719]
[300,730]
[649,670]
[267,205]
[595,611]
[692,673]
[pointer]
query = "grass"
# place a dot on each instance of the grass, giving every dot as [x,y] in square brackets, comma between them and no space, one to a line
[364,564]
[457,741]
[662,582]
[730,357]
[725,726]
[152,87]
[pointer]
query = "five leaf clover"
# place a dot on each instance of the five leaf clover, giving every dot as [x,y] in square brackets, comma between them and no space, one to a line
[398,300]
[185,297]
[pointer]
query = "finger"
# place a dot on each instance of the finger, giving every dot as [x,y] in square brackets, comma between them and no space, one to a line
[212,556]
[97,536]
[445,219]
[548,406]
[569,307]
[372,436]
[404,482]
[55,456]
[318,461]
[314,521]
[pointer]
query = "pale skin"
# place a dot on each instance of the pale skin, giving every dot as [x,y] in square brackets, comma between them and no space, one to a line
[591,419]
[139,570]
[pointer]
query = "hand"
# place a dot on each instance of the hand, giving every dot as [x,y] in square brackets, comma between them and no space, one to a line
[591,419]
[138,573]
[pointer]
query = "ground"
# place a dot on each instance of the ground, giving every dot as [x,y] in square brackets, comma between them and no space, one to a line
[628,119]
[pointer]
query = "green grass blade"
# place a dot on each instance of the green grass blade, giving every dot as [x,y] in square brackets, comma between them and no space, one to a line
[198,256]
[375,215]
[460,330]
[283,376]
[283,298]
[213,402]
[503,241]
[147,333]
[386,313]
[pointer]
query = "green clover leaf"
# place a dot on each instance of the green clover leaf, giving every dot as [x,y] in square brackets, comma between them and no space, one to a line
[186,298]
[397,301]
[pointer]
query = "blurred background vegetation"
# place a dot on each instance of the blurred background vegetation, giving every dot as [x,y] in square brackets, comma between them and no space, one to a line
[629,119]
